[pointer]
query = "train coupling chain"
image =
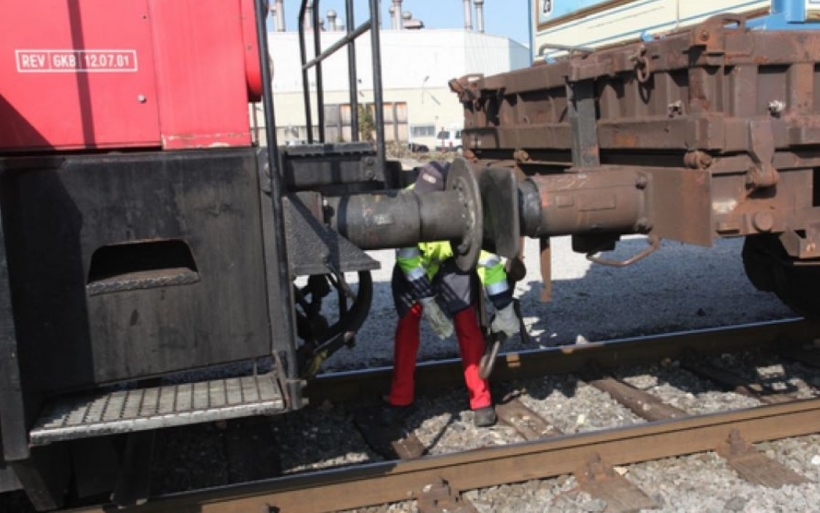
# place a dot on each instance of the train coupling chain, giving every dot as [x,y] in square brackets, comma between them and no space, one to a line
[653,241]
[641,63]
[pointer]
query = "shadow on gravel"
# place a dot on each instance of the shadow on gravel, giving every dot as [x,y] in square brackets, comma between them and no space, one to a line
[677,288]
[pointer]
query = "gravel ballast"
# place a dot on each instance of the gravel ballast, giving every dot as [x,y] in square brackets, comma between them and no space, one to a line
[680,287]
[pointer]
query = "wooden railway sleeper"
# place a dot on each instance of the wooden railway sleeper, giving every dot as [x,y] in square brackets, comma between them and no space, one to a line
[602,481]
[439,497]
[754,466]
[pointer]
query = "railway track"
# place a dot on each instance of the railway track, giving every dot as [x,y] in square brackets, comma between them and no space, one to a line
[535,447]
[431,376]
[590,455]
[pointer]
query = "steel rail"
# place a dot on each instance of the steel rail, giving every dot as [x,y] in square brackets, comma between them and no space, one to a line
[431,376]
[379,483]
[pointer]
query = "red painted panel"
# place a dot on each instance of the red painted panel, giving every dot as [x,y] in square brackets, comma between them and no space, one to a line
[203,94]
[252,70]
[143,73]
[76,74]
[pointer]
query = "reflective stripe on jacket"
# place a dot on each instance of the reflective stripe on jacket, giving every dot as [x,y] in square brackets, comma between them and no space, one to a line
[420,263]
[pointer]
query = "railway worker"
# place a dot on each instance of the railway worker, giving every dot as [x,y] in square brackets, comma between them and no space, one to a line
[427,283]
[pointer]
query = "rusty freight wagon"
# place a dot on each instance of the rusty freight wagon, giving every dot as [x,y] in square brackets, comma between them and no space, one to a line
[707,132]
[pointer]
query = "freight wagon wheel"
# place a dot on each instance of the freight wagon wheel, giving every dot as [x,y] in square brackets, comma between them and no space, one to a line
[757,262]
[327,324]
[770,268]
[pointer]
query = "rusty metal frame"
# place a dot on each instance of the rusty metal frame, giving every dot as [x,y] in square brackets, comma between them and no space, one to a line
[720,120]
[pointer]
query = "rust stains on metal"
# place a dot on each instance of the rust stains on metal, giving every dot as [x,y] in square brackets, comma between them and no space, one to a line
[545,295]
[697,160]
[738,107]
[625,139]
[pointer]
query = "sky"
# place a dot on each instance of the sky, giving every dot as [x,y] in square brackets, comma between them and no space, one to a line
[508,18]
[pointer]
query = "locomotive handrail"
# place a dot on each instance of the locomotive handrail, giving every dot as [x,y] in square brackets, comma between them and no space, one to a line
[567,48]
[274,163]
[361,29]
[348,40]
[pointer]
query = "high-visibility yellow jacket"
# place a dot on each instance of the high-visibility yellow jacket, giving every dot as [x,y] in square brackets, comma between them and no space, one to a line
[420,263]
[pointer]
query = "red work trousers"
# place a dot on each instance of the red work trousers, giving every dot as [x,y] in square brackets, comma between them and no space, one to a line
[470,343]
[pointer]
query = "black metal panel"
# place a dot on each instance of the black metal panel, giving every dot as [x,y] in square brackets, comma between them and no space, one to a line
[499,196]
[8,479]
[313,248]
[314,166]
[58,216]
[13,432]
[45,476]
[279,282]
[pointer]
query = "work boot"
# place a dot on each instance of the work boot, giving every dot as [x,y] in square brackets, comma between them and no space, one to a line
[484,417]
[392,415]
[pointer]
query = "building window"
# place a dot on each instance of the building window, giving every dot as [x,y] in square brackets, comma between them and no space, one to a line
[422,130]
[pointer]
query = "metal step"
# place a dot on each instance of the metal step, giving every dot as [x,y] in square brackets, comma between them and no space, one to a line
[124,411]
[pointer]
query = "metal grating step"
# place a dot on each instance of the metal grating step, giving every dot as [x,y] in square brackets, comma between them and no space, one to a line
[124,411]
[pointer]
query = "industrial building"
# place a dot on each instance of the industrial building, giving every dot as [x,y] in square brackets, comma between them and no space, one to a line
[416,65]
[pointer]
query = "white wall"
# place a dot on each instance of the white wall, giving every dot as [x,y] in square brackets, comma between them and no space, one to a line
[611,22]
[416,67]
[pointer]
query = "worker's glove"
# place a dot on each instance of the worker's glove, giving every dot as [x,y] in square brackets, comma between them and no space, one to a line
[515,269]
[436,318]
[506,321]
